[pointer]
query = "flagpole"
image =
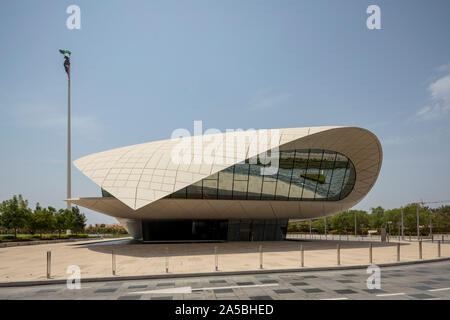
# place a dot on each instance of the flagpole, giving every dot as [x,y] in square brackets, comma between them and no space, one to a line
[69,205]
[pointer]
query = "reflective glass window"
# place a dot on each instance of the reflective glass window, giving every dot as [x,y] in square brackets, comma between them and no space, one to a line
[254,182]
[302,175]
[225,189]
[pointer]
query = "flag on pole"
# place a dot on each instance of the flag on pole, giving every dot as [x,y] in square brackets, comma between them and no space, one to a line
[66,54]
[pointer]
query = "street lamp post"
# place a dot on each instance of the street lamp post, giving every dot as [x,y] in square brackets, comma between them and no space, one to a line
[403,228]
[418,229]
[310,227]
[431,227]
[355,224]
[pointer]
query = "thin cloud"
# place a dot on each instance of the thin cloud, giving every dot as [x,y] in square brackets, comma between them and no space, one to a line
[439,104]
[267,100]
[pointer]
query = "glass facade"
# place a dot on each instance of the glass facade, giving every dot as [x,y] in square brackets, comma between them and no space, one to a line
[303,175]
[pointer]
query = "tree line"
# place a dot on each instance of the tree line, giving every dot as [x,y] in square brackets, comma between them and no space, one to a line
[102,228]
[17,216]
[344,222]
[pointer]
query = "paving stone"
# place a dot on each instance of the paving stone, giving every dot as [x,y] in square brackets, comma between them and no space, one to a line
[217,281]
[283,291]
[423,288]
[46,291]
[345,281]
[429,282]
[223,290]
[161,284]
[421,296]
[440,279]
[105,290]
[261,298]
[345,291]
[299,284]
[313,290]
[268,281]
[130,297]
[113,284]
[374,291]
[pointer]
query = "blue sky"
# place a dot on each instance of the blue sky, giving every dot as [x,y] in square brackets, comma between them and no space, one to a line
[141,69]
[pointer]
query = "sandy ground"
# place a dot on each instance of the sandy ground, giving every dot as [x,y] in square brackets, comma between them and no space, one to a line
[29,262]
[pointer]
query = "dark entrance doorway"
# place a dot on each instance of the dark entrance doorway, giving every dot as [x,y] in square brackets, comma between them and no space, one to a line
[184,230]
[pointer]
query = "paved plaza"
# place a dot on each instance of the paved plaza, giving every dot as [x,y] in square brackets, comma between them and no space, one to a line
[428,281]
[28,263]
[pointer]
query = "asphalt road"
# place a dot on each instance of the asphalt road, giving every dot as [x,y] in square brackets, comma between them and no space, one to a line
[420,281]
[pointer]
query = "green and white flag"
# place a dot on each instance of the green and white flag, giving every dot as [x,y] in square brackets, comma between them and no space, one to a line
[66,54]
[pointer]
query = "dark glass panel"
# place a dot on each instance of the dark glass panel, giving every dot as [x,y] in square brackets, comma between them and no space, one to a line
[194,191]
[214,176]
[106,194]
[240,190]
[241,171]
[210,189]
[338,177]
[268,191]
[180,194]
[226,183]
[312,175]
[349,182]
[254,182]
[297,181]
[284,175]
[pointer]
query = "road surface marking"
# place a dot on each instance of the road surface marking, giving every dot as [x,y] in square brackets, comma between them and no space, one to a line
[190,289]
[390,294]
[335,299]
[442,289]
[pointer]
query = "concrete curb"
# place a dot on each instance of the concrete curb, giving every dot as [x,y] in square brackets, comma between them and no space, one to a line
[214,274]
[38,242]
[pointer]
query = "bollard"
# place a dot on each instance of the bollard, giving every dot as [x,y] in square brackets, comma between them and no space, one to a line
[370,253]
[302,256]
[439,248]
[167,260]
[432,238]
[113,262]
[442,238]
[216,258]
[49,264]
[420,249]
[398,252]
[338,254]
[260,257]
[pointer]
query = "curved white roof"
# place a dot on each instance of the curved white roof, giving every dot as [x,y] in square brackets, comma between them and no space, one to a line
[139,175]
